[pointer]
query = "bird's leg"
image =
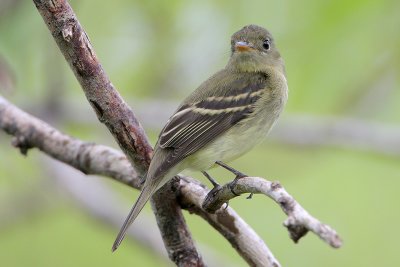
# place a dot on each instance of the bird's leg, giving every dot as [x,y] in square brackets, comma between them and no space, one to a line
[235,172]
[232,170]
[214,183]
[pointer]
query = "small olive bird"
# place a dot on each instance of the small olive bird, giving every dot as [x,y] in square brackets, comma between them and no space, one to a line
[223,118]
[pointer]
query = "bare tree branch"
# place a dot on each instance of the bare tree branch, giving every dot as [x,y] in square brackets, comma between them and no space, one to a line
[103,204]
[303,130]
[189,191]
[121,122]
[226,221]
[106,206]
[119,119]
[344,132]
[299,221]
[110,108]
[29,131]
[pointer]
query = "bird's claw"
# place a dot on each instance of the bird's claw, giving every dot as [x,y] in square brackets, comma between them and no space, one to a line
[232,187]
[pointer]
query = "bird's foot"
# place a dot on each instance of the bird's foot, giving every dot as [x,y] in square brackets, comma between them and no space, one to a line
[232,187]
[238,174]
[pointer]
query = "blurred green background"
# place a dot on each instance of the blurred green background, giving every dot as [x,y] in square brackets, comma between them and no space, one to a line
[342,60]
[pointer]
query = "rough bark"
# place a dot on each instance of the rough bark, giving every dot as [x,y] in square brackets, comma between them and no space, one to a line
[127,131]
[299,221]
[190,193]
[112,111]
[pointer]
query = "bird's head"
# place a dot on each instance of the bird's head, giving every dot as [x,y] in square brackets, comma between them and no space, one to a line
[254,50]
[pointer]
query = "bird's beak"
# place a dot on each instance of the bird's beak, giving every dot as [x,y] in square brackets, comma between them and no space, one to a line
[242,46]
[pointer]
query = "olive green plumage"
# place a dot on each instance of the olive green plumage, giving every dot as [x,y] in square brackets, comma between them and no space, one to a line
[223,118]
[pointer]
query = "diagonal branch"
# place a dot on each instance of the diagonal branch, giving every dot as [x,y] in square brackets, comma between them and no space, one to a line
[190,192]
[121,122]
[102,203]
[299,221]
[229,224]
[29,132]
[109,106]
[111,110]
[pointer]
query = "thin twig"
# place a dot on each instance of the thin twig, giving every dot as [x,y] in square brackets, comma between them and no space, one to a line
[227,222]
[299,221]
[189,191]
[121,122]
[87,157]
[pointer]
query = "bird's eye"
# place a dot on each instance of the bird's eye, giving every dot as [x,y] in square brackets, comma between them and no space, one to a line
[266,44]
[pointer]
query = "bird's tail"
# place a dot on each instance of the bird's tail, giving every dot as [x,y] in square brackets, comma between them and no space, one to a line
[144,196]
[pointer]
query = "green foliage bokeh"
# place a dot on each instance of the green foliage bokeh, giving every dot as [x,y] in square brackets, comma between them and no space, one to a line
[336,52]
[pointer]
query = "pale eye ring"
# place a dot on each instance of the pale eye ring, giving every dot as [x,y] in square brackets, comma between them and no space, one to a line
[266,44]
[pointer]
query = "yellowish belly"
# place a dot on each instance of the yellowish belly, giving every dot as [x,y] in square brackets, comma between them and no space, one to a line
[238,141]
[243,136]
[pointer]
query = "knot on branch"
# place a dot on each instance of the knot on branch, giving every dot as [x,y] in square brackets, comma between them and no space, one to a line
[187,257]
[67,33]
[299,221]
[22,143]
[296,230]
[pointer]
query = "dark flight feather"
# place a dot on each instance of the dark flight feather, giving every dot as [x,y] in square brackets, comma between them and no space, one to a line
[194,125]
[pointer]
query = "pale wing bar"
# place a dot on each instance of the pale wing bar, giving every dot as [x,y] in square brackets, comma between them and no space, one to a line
[195,125]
